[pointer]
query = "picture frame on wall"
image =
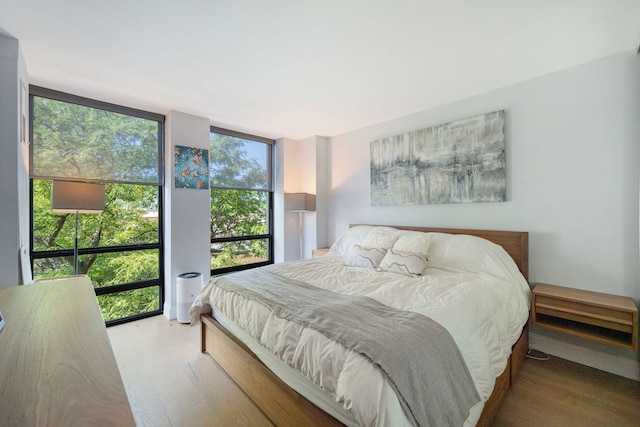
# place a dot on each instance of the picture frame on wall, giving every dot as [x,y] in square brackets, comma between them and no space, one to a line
[191,167]
[457,162]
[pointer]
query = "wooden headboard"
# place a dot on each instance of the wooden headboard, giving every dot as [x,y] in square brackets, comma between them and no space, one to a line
[516,243]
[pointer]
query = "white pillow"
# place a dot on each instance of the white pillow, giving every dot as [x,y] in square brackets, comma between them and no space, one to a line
[413,242]
[460,252]
[361,256]
[355,236]
[407,263]
[379,239]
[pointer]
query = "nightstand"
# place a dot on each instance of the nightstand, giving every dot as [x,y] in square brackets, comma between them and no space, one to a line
[597,316]
[315,253]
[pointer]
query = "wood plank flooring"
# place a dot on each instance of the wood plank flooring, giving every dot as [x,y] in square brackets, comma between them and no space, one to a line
[170,383]
[560,393]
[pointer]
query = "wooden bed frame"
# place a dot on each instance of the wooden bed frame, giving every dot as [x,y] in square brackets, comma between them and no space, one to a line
[285,407]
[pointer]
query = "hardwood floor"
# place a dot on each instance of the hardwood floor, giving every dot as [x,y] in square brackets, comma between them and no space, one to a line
[170,383]
[559,393]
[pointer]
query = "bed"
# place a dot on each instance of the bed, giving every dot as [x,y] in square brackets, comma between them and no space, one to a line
[472,291]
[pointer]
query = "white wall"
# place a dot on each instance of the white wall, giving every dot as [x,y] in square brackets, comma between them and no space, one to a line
[304,170]
[322,192]
[278,200]
[308,171]
[14,182]
[572,176]
[290,170]
[187,211]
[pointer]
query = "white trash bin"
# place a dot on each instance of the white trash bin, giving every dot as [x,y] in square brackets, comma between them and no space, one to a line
[187,287]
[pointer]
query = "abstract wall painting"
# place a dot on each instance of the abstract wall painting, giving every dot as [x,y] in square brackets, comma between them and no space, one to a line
[458,162]
[191,167]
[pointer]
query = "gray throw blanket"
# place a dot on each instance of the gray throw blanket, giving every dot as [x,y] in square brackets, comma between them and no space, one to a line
[417,356]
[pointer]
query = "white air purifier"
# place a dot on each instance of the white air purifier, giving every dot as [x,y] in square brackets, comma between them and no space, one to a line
[187,287]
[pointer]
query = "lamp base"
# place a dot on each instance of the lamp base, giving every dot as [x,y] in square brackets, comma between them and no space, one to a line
[75,249]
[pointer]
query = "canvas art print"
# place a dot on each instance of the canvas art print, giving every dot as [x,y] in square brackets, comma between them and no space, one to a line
[191,167]
[458,162]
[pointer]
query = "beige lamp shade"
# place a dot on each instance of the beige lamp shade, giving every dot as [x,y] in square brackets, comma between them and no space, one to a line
[300,202]
[77,197]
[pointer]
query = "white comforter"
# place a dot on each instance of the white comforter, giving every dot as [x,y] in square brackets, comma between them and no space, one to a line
[472,288]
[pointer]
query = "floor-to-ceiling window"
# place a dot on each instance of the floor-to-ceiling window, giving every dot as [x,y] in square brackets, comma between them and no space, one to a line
[241,200]
[82,140]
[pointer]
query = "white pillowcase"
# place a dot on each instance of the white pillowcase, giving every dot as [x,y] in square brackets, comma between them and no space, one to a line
[379,239]
[361,256]
[407,263]
[413,242]
[355,236]
[459,252]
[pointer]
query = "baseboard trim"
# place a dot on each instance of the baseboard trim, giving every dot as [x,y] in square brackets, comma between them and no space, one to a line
[618,365]
[169,312]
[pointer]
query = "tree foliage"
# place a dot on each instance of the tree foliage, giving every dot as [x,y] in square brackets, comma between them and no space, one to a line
[80,142]
[238,213]
[76,141]
[239,200]
[231,165]
[121,224]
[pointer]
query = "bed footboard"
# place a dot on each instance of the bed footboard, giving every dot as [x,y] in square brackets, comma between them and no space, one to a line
[284,406]
[279,402]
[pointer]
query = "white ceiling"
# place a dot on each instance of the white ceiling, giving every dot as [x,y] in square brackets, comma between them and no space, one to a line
[298,68]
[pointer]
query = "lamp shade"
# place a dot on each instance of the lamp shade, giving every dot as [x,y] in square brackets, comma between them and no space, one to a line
[300,202]
[77,197]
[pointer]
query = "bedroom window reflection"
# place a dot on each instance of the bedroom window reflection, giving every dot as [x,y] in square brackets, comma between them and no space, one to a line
[241,201]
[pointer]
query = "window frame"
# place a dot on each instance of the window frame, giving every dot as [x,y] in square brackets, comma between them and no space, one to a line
[37,91]
[270,220]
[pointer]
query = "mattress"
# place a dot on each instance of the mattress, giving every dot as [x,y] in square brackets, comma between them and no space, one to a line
[470,286]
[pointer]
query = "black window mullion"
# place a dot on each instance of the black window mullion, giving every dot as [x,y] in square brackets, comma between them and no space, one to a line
[240,238]
[127,319]
[105,290]
[93,103]
[242,135]
[95,250]
[270,221]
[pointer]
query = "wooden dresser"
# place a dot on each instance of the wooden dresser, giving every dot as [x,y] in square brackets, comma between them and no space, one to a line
[57,367]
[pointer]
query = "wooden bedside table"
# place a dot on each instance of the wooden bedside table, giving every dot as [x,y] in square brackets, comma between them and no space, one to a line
[315,253]
[593,315]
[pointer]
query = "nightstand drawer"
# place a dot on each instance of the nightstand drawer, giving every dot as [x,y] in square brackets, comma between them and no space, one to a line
[605,317]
